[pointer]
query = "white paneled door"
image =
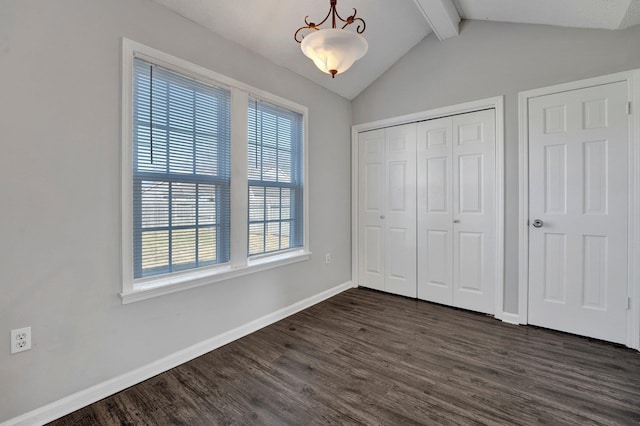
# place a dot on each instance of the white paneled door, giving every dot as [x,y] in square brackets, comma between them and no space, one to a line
[387,209]
[456,173]
[578,207]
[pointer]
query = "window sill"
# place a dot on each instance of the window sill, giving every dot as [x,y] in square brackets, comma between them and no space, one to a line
[159,286]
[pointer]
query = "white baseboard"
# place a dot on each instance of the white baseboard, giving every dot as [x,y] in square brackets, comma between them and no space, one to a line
[510,318]
[102,390]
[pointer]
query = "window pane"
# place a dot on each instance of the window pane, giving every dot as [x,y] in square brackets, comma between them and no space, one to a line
[284,166]
[256,203]
[284,235]
[207,252]
[206,204]
[269,164]
[155,250]
[273,236]
[285,211]
[180,152]
[183,204]
[273,204]
[181,107]
[151,157]
[206,154]
[155,204]
[256,238]
[183,247]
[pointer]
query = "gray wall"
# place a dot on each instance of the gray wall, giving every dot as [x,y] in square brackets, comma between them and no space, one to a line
[60,198]
[490,59]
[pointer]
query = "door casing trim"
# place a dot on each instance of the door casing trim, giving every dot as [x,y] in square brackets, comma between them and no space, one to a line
[496,103]
[632,78]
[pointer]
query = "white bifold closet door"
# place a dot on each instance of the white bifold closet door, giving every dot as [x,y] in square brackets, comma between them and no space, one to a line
[387,209]
[456,215]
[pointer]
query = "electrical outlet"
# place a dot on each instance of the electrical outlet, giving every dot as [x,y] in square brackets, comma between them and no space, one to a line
[327,258]
[20,340]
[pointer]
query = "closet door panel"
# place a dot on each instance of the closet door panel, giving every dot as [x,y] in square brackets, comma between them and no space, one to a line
[372,202]
[470,261]
[473,210]
[400,217]
[434,210]
[373,237]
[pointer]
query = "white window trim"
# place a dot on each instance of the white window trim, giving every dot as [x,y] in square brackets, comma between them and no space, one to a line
[240,264]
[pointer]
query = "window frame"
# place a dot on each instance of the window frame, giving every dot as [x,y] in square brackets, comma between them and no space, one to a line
[240,262]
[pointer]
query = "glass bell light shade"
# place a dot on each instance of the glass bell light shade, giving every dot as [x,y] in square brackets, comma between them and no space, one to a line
[334,50]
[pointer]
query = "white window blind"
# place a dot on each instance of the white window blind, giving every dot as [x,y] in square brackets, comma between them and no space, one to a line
[181,172]
[275,171]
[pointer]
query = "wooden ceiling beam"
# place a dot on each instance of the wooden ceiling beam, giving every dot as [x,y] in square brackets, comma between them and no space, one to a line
[442,16]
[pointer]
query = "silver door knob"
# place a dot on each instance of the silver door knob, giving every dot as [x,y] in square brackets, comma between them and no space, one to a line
[456,220]
[381,216]
[537,223]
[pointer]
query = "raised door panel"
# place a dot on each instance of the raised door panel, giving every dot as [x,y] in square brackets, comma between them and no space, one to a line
[470,262]
[397,186]
[374,174]
[555,268]
[595,265]
[373,255]
[437,260]
[436,185]
[596,192]
[470,184]
[555,171]
[399,264]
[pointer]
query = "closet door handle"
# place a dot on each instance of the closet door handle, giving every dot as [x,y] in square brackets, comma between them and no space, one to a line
[456,220]
[381,216]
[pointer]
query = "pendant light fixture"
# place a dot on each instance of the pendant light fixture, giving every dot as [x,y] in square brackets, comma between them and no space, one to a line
[333,50]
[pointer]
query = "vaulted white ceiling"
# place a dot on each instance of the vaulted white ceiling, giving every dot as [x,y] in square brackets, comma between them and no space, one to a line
[605,14]
[392,27]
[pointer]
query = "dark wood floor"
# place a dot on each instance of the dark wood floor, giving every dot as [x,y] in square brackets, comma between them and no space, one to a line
[365,357]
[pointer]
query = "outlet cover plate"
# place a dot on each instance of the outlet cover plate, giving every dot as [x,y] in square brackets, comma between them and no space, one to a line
[20,340]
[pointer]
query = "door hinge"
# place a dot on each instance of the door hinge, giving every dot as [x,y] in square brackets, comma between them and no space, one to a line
[629,108]
[628,303]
